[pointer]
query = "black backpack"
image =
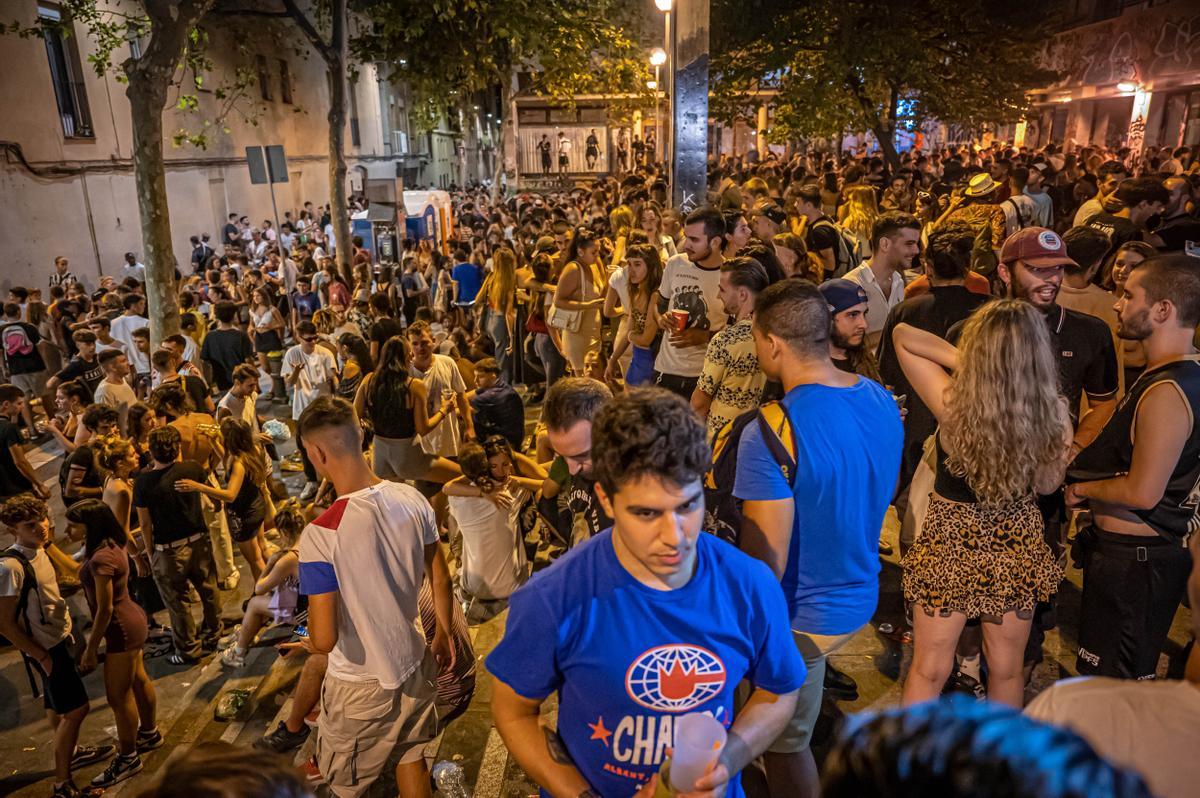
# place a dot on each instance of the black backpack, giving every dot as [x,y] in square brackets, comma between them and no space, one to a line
[723,510]
[28,584]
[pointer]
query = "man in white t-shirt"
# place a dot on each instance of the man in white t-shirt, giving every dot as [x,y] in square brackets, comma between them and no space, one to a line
[895,241]
[133,269]
[311,372]
[114,390]
[440,374]
[43,632]
[687,295]
[239,402]
[123,326]
[361,565]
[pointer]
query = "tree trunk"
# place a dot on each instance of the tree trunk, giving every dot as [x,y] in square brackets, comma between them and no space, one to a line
[338,204]
[149,77]
[146,103]
[507,162]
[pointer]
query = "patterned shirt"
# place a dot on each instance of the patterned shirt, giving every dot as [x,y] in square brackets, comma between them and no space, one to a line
[983,213]
[731,375]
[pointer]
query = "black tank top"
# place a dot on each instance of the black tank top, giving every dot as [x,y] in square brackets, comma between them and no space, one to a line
[1177,513]
[390,410]
[948,485]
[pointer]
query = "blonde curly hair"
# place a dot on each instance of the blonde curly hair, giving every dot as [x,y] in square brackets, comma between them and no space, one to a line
[1005,418]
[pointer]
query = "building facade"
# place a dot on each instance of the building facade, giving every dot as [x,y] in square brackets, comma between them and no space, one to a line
[1130,77]
[67,173]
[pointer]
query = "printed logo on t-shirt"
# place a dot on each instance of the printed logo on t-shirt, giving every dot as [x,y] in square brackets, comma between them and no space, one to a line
[691,298]
[16,341]
[675,678]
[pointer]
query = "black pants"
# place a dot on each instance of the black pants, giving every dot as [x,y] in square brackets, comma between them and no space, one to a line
[676,384]
[310,471]
[1132,586]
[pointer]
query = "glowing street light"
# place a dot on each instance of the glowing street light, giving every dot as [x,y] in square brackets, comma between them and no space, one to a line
[658,56]
[652,85]
[663,5]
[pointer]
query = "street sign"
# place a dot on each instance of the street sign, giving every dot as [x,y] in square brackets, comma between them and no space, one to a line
[272,169]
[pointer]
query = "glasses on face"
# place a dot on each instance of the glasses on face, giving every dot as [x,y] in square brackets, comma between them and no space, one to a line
[309,339]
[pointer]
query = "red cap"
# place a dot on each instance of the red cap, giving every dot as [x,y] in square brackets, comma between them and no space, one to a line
[1036,246]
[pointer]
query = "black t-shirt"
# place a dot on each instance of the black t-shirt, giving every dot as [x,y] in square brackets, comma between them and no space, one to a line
[86,371]
[1177,231]
[822,236]
[1118,229]
[12,481]
[175,515]
[231,234]
[1087,357]
[195,388]
[20,336]
[584,508]
[83,458]
[936,312]
[843,365]
[385,328]
[225,350]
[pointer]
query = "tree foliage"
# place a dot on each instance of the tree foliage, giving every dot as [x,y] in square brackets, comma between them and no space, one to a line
[850,65]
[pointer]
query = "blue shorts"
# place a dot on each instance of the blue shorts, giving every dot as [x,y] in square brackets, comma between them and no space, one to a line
[641,367]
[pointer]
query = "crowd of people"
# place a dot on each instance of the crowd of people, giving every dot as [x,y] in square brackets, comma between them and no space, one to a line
[542,415]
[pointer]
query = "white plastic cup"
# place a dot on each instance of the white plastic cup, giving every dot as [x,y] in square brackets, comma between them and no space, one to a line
[699,741]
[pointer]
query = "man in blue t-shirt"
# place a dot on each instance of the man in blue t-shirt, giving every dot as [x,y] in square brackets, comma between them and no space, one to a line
[819,532]
[468,278]
[644,623]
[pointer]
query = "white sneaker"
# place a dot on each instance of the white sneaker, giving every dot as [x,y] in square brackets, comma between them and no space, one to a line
[231,638]
[233,657]
[231,583]
[310,490]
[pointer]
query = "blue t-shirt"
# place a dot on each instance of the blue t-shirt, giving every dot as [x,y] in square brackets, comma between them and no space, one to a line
[628,660]
[847,461]
[469,278]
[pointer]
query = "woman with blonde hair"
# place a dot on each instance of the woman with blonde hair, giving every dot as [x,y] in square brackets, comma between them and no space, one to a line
[1003,438]
[861,212]
[651,223]
[500,292]
[794,257]
[579,298]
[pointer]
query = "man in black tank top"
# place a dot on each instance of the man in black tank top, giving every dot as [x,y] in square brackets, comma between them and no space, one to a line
[1141,479]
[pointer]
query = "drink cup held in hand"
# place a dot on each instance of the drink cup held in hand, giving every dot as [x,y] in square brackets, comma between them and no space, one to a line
[699,741]
[679,320]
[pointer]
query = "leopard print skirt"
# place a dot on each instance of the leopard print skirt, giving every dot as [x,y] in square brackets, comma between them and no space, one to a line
[980,562]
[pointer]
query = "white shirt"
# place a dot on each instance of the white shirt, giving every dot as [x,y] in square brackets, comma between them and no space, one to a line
[118,395]
[45,601]
[493,552]
[316,372]
[369,546]
[136,270]
[877,304]
[243,408]
[122,330]
[443,375]
[688,287]
[1152,727]
[1043,208]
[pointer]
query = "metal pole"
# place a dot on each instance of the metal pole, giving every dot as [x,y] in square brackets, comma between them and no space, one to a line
[689,104]
[658,117]
[274,210]
[667,133]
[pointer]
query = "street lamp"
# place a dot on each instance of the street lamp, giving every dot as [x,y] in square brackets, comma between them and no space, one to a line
[658,57]
[669,59]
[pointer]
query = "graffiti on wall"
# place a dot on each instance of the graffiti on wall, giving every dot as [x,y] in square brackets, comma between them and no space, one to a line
[1137,47]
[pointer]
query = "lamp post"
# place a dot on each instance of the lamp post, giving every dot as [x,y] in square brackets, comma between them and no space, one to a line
[658,57]
[664,138]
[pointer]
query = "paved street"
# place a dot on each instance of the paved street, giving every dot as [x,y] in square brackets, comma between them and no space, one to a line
[188,696]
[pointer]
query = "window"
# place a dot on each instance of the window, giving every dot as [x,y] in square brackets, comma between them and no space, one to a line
[264,77]
[285,82]
[355,136]
[65,73]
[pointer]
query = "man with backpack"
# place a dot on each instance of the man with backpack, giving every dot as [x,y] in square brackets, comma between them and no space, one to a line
[977,207]
[838,250]
[34,618]
[815,521]
[26,368]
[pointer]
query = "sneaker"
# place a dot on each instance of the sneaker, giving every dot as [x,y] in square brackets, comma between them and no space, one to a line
[312,771]
[233,657]
[960,682]
[119,769]
[66,790]
[281,740]
[149,741]
[87,754]
[310,490]
[232,581]
[885,549]
[228,640]
[840,685]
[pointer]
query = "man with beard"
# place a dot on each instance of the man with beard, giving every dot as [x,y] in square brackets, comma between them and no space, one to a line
[895,241]
[1139,478]
[848,305]
[688,293]
[571,403]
